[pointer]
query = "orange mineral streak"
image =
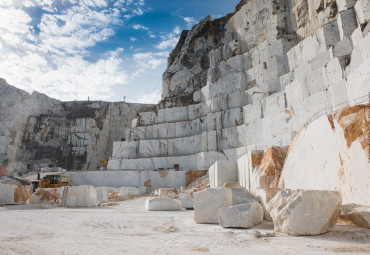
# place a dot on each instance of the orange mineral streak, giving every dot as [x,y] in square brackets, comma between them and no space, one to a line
[355,123]
[191,176]
[271,167]
[22,193]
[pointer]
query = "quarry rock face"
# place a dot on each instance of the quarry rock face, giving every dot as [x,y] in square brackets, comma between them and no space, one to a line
[162,204]
[241,216]
[38,131]
[237,89]
[249,81]
[332,153]
[357,214]
[305,212]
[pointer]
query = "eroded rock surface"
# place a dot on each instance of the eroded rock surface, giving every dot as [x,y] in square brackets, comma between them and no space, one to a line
[305,212]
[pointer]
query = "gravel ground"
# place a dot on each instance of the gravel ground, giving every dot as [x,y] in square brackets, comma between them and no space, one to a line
[128,228]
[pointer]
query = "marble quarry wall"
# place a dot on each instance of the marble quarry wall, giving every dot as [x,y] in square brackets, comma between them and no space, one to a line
[37,131]
[250,80]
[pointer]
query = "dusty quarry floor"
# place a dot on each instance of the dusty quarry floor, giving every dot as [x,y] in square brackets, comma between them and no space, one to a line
[129,229]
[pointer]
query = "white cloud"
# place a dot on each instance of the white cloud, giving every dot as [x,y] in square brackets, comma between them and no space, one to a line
[177,30]
[151,98]
[133,39]
[149,60]
[139,26]
[190,21]
[52,61]
[168,41]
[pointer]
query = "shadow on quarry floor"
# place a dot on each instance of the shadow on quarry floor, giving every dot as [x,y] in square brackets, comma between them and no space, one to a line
[345,234]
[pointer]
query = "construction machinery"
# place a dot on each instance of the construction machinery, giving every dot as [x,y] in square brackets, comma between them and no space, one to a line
[52,181]
[103,164]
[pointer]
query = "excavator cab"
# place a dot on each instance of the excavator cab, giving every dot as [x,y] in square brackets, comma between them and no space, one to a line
[52,181]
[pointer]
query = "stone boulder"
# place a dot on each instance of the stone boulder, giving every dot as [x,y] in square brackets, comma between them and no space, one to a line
[14,191]
[241,216]
[208,202]
[240,196]
[305,212]
[103,193]
[162,204]
[80,196]
[169,193]
[45,196]
[357,214]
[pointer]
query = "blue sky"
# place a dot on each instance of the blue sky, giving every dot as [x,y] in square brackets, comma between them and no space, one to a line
[101,49]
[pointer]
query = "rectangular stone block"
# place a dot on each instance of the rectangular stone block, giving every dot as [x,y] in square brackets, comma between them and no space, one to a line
[221,172]
[346,23]
[246,165]
[124,150]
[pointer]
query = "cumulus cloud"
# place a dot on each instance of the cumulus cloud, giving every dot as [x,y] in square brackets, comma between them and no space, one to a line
[177,30]
[149,60]
[47,54]
[190,21]
[139,26]
[169,40]
[151,98]
[133,39]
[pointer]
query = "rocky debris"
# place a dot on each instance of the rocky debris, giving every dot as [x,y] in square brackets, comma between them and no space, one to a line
[125,193]
[192,176]
[269,171]
[357,214]
[231,185]
[168,193]
[45,131]
[80,196]
[45,196]
[305,212]
[208,202]
[241,216]
[162,204]
[202,182]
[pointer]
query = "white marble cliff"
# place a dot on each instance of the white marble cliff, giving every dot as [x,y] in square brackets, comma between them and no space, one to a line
[250,80]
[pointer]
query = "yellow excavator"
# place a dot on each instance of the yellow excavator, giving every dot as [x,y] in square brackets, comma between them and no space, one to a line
[51,181]
[103,164]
